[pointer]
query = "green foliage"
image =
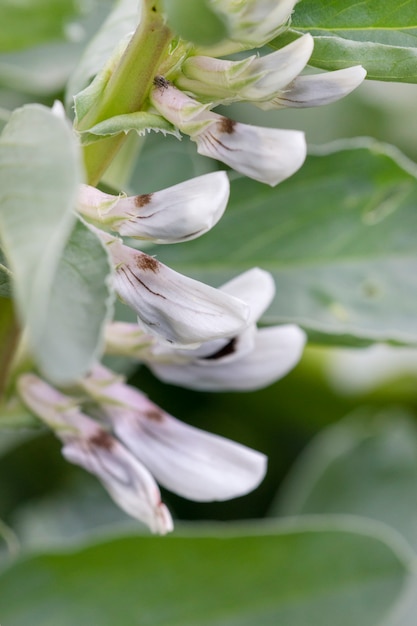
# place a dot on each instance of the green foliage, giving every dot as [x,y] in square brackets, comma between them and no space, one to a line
[338,237]
[311,573]
[376,34]
[195,21]
[365,465]
[25,24]
[78,307]
[39,177]
[59,292]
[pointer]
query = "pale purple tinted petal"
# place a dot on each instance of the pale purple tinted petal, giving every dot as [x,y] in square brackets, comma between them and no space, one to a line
[128,482]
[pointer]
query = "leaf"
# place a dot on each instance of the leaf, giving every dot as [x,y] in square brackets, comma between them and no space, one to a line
[39,177]
[24,24]
[380,36]
[365,465]
[79,304]
[61,295]
[140,121]
[338,237]
[195,21]
[318,573]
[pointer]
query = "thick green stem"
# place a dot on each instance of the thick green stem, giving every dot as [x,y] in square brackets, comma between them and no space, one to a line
[9,338]
[127,89]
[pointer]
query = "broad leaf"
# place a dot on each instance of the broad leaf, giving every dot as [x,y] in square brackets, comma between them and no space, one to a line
[365,465]
[61,299]
[320,573]
[39,178]
[339,238]
[78,306]
[380,36]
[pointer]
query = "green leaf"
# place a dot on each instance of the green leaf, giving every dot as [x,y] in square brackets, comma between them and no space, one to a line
[380,36]
[195,21]
[318,573]
[78,306]
[365,465]
[24,24]
[61,294]
[141,122]
[39,178]
[338,236]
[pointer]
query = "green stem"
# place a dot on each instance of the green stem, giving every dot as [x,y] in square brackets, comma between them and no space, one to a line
[9,338]
[127,89]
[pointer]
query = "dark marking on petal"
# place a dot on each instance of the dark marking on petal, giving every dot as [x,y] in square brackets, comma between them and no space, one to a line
[161,82]
[155,415]
[229,348]
[143,200]
[227,125]
[147,263]
[124,271]
[102,440]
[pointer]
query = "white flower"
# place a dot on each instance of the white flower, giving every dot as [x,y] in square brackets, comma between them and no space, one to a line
[246,361]
[276,351]
[179,213]
[251,23]
[314,90]
[266,154]
[254,78]
[271,81]
[89,445]
[188,461]
[179,310]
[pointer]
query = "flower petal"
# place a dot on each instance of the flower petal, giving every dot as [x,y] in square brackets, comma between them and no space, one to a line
[252,23]
[179,213]
[171,306]
[188,461]
[128,482]
[269,155]
[87,444]
[255,78]
[317,89]
[256,287]
[277,350]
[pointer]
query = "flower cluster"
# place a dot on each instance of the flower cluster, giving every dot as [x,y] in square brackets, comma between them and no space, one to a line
[186,95]
[189,333]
